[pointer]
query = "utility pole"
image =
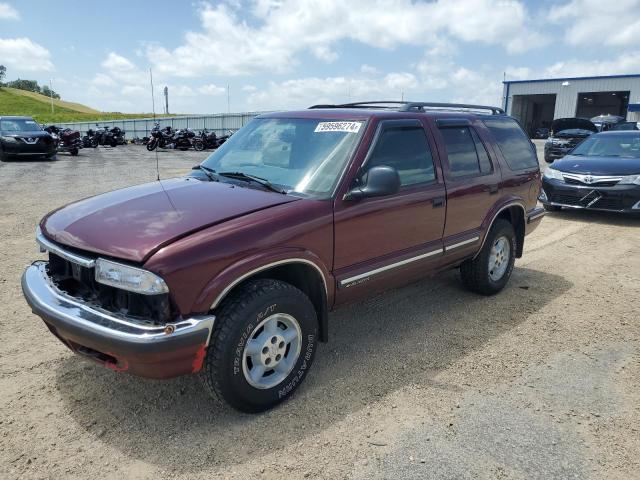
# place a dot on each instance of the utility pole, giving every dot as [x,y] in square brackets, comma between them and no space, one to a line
[166,100]
[51,94]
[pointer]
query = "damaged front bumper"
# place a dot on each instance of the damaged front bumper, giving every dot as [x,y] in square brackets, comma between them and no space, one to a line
[117,341]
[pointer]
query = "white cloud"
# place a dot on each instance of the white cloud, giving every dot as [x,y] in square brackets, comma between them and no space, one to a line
[324,53]
[282,29]
[123,70]
[624,63]
[24,54]
[597,23]
[302,92]
[211,89]
[369,70]
[7,12]
[102,80]
[182,91]
[133,90]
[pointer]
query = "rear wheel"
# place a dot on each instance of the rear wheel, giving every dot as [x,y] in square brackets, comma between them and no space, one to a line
[262,346]
[490,270]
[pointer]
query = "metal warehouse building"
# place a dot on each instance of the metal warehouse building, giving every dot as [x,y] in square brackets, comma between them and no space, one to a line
[536,103]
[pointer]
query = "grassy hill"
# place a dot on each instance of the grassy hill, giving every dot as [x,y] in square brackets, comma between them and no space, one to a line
[22,102]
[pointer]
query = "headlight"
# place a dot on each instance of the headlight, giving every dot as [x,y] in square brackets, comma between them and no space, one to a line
[550,173]
[129,278]
[630,179]
[9,139]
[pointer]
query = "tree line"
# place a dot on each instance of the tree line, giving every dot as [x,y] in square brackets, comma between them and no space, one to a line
[29,85]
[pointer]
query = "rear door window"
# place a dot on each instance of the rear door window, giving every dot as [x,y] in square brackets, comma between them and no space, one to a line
[465,151]
[517,149]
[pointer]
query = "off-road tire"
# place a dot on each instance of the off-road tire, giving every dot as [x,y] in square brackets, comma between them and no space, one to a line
[551,208]
[475,272]
[236,319]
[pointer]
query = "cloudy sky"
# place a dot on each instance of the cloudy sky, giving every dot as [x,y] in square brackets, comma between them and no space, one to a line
[277,54]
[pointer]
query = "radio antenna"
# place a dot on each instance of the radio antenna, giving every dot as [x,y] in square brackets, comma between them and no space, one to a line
[153,106]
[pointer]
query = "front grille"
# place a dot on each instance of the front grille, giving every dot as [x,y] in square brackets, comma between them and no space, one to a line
[575,181]
[606,203]
[79,282]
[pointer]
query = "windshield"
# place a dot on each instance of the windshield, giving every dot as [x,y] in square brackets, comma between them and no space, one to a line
[19,125]
[573,131]
[627,146]
[305,156]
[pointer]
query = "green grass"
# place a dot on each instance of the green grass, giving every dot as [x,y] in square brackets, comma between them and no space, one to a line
[21,102]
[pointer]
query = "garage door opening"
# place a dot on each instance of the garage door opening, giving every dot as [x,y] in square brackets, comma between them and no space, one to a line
[534,111]
[593,104]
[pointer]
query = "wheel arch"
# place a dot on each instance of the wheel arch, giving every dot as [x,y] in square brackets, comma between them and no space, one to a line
[515,213]
[307,275]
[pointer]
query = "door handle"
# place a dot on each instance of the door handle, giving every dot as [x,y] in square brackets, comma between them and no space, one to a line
[493,189]
[438,202]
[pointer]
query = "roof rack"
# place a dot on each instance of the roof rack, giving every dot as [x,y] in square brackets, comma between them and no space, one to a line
[403,106]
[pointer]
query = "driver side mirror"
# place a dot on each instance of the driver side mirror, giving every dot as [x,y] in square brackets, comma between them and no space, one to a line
[381,181]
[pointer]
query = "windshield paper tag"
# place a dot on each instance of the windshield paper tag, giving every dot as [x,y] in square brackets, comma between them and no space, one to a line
[349,127]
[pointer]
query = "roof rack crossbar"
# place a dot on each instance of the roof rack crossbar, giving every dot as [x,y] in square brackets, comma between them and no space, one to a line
[404,106]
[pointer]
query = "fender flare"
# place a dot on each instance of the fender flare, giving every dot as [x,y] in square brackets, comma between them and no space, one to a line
[513,202]
[217,289]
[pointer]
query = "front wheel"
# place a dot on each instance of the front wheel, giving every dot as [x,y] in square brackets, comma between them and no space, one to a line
[198,145]
[262,346]
[152,144]
[74,152]
[490,270]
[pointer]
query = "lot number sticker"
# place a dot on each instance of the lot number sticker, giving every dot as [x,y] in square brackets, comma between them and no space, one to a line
[348,127]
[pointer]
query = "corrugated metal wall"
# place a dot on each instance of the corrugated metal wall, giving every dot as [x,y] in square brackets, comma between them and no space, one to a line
[567,95]
[140,127]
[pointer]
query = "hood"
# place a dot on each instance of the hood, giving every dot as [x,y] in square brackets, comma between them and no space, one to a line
[598,165]
[133,223]
[32,134]
[561,124]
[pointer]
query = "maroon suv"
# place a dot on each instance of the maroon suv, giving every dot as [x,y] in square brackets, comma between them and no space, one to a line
[231,271]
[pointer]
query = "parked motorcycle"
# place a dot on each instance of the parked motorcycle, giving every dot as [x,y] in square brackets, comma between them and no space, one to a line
[90,140]
[119,135]
[66,140]
[160,137]
[183,139]
[205,140]
[106,137]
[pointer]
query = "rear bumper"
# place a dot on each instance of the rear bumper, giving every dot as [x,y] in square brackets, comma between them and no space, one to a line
[619,198]
[118,342]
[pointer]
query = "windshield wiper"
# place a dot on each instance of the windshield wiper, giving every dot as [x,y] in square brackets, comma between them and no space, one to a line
[252,178]
[209,172]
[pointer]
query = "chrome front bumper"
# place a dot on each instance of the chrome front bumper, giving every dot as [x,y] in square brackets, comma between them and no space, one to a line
[85,327]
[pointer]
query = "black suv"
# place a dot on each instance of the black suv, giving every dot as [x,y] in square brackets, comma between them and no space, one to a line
[23,137]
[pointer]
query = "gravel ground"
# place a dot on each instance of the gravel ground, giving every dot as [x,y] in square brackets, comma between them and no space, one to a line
[429,381]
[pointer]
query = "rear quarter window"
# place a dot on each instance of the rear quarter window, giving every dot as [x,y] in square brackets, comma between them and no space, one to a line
[516,148]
